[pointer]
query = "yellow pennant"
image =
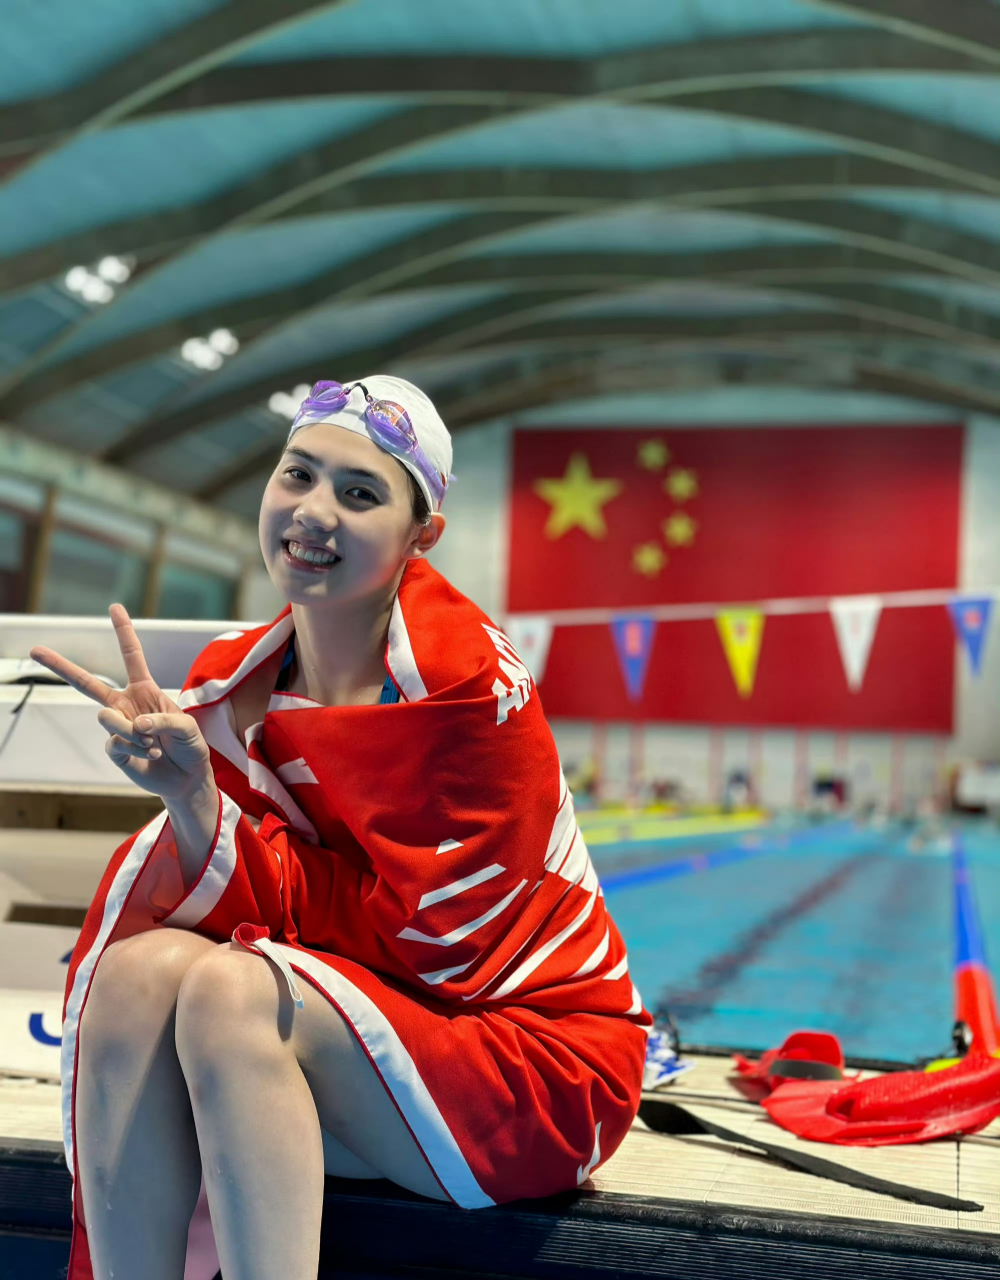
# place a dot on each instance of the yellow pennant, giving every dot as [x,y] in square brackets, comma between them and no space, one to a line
[740,631]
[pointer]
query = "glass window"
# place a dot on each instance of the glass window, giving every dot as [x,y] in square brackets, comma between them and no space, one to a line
[186,592]
[17,542]
[85,575]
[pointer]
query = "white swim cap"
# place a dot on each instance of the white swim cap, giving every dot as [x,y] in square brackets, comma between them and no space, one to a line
[429,464]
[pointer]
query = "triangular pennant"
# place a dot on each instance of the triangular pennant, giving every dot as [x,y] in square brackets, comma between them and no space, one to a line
[633,639]
[531,637]
[740,631]
[855,619]
[970,616]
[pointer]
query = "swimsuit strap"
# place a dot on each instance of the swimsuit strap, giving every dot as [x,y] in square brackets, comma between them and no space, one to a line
[389,694]
[282,681]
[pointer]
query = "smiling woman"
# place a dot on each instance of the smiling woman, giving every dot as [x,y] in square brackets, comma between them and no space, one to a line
[364,938]
[338,524]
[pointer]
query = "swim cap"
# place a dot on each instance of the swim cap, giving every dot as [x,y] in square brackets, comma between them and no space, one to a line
[433,438]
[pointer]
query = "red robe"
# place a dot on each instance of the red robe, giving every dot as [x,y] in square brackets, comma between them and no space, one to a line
[420,865]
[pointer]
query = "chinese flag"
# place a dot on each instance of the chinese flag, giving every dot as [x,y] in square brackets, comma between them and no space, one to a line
[627,518]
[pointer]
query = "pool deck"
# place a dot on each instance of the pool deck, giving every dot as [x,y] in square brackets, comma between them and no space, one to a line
[661,1206]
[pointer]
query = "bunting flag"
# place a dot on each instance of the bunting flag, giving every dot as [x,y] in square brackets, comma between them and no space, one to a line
[623,520]
[531,637]
[741,631]
[970,616]
[633,639]
[855,619]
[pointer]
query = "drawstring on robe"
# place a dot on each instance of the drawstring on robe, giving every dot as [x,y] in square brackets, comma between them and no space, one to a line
[254,938]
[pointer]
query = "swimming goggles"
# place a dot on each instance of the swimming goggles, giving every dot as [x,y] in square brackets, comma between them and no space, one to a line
[388,424]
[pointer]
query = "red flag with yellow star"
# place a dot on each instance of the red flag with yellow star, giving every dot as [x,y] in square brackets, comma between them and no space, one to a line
[630,518]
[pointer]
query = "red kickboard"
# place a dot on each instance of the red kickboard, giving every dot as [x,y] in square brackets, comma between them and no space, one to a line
[907,1106]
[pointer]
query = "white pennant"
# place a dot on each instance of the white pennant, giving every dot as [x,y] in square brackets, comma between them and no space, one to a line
[855,619]
[531,637]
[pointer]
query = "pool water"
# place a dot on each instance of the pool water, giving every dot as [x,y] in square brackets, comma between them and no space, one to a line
[841,927]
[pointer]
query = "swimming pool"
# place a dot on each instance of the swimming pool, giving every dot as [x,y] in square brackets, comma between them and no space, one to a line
[839,927]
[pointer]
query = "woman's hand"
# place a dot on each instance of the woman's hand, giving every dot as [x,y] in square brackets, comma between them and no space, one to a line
[152,741]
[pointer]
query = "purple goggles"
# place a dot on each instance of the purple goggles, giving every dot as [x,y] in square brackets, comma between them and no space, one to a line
[388,424]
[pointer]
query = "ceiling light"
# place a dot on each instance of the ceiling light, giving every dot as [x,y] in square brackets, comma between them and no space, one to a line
[210,352]
[94,289]
[76,277]
[197,351]
[285,405]
[224,341]
[114,269]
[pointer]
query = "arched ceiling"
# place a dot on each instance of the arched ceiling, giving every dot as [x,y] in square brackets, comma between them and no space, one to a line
[516,205]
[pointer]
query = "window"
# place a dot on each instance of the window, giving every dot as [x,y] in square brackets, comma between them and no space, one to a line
[85,575]
[17,545]
[193,593]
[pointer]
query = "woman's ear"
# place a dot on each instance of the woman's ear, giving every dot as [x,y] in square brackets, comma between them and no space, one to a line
[427,537]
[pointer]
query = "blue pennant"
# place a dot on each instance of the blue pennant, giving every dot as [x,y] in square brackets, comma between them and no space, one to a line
[970,616]
[633,639]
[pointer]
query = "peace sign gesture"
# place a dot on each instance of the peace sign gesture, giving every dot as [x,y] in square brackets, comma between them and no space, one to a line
[152,741]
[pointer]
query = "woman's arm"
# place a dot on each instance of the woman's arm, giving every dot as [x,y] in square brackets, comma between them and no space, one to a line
[194,818]
[154,743]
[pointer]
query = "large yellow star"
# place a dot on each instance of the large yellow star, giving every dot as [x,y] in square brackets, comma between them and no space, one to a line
[681,484]
[679,529]
[577,499]
[648,559]
[653,455]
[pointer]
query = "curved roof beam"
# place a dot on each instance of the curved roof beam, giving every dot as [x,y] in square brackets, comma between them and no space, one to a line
[504,390]
[512,385]
[909,241]
[796,267]
[530,379]
[971,28]
[543,190]
[929,149]
[516,319]
[777,58]
[848,277]
[879,132]
[142,85]
[162,66]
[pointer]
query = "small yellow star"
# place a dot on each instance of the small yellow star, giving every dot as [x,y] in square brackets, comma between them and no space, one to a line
[648,559]
[681,484]
[653,455]
[679,529]
[577,499]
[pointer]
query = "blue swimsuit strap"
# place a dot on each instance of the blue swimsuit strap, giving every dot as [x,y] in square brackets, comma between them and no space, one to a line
[282,681]
[389,695]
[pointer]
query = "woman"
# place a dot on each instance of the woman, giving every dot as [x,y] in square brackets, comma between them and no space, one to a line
[360,937]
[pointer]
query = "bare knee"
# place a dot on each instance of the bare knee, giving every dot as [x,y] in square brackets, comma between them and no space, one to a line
[146,968]
[229,1009]
[135,985]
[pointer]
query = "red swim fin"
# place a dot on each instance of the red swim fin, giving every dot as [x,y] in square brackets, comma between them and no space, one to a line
[805,1055]
[906,1106]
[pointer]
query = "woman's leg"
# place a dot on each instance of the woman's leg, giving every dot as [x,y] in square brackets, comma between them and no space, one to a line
[140,1171]
[262,1077]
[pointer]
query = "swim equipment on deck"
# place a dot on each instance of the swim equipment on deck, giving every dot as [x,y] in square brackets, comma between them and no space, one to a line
[951,1096]
[903,1107]
[975,998]
[804,1055]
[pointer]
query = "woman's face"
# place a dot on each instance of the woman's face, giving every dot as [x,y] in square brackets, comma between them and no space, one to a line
[336,519]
